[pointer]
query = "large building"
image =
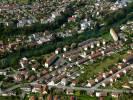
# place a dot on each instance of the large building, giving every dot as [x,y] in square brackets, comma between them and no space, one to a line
[114,34]
[50,60]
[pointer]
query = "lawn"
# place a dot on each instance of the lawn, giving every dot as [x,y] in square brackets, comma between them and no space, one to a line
[86,98]
[9,98]
[101,65]
[107,37]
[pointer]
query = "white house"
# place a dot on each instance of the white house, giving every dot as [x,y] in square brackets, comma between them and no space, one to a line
[3,72]
[90,83]
[64,81]
[83,25]
[101,94]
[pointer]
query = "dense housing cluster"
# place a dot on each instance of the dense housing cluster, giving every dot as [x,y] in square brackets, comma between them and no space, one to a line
[66,49]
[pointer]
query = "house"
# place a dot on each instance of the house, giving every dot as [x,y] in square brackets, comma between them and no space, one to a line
[19,77]
[99,78]
[34,64]
[26,89]
[129,59]
[130,82]
[113,70]
[73,76]
[121,65]
[53,15]
[50,60]
[2,72]
[115,95]
[104,84]
[92,45]
[82,61]
[120,74]
[84,54]
[69,73]
[113,79]
[130,52]
[126,70]
[51,68]
[126,86]
[74,83]
[105,75]
[66,48]
[47,77]
[69,91]
[44,72]
[36,88]
[18,40]
[82,71]
[58,50]
[95,55]
[90,83]
[72,19]
[73,58]
[64,81]
[101,94]
[86,47]
[114,7]
[98,43]
[131,65]
[114,34]
[56,80]
[72,52]
[13,45]
[23,62]
[10,93]
[44,89]
[104,42]
[93,52]
[89,41]
[84,25]
[24,73]
[55,74]
[58,63]
[107,50]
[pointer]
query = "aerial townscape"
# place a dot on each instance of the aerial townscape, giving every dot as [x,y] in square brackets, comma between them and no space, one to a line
[66,49]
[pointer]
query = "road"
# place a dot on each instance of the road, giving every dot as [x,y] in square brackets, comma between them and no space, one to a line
[92,89]
[15,87]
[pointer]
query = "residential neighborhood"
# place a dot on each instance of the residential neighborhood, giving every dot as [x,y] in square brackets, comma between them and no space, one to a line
[66,50]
